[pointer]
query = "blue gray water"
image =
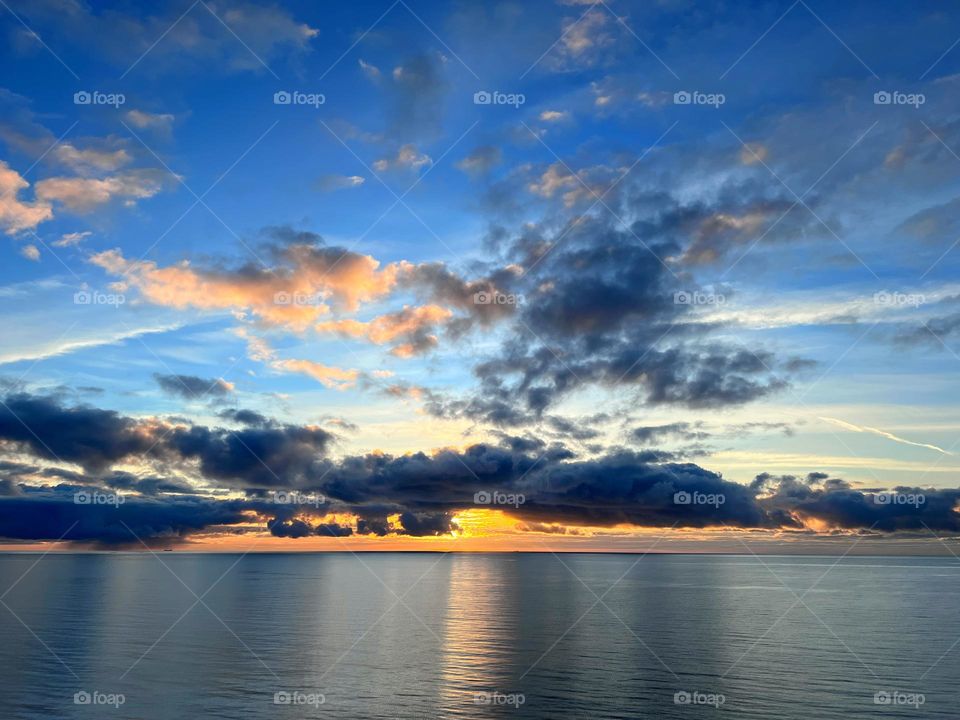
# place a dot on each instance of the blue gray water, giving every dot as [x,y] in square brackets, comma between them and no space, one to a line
[469,635]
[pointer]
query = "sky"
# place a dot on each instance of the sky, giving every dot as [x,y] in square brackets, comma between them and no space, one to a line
[574,275]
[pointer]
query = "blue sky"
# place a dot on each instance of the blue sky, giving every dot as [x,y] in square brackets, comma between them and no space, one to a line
[787,236]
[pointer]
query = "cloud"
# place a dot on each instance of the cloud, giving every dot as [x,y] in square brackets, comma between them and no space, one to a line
[481,160]
[63,346]
[329,183]
[600,310]
[753,153]
[331,377]
[142,120]
[407,158]
[411,326]
[91,159]
[657,433]
[371,71]
[586,41]
[413,494]
[51,514]
[882,433]
[16,215]
[72,239]
[89,437]
[297,528]
[555,116]
[206,36]
[416,97]
[83,195]
[191,387]
[30,252]
[308,280]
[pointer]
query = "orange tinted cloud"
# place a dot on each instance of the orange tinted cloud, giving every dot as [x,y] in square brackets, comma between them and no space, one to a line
[292,297]
[332,377]
[411,324]
[82,194]
[16,215]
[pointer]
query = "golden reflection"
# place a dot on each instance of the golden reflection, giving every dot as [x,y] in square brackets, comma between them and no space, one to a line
[477,635]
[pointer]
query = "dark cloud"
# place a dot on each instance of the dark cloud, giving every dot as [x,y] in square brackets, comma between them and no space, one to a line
[420,524]
[259,455]
[835,503]
[52,513]
[597,307]
[84,435]
[297,528]
[481,160]
[656,433]
[416,494]
[278,456]
[245,417]
[191,387]
[933,332]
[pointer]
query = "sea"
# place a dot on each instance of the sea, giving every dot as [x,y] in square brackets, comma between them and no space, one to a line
[180,636]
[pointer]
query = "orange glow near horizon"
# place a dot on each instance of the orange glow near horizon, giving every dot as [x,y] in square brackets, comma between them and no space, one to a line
[477,530]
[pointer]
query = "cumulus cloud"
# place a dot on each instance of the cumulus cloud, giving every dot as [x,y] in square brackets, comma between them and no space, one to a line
[411,327]
[308,280]
[15,214]
[30,252]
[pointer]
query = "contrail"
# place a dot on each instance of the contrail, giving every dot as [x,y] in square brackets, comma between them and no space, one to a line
[882,433]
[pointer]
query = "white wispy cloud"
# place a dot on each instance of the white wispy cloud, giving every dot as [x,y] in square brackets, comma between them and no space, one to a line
[882,433]
[67,346]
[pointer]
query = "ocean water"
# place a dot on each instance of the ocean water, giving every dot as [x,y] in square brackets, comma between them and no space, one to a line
[423,635]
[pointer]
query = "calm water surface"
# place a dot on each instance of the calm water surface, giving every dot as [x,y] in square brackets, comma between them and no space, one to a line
[475,636]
